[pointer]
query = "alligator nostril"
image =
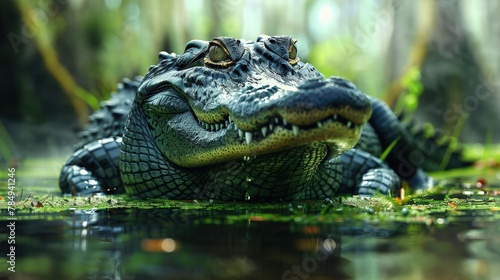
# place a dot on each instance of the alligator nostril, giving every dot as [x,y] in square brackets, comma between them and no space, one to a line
[312,84]
[343,82]
[272,41]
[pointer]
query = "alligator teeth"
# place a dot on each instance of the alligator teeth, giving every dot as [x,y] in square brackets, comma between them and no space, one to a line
[348,124]
[226,123]
[229,119]
[217,126]
[284,122]
[319,124]
[212,127]
[335,117]
[248,137]
[240,133]
[295,130]
[264,131]
[271,126]
[276,120]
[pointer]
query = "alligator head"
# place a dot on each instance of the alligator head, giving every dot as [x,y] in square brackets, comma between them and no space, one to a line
[226,99]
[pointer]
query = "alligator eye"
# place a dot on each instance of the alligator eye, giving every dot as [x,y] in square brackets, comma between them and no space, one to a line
[218,55]
[292,53]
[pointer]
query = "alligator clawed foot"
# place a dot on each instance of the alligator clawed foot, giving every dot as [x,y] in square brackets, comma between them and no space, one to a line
[381,180]
[79,182]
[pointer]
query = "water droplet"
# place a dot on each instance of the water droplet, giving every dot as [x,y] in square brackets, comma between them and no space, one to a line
[247,196]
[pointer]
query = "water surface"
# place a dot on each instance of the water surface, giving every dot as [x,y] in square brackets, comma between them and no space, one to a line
[441,236]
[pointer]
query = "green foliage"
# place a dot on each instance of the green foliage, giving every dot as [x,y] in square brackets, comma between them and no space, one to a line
[389,148]
[413,88]
[89,98]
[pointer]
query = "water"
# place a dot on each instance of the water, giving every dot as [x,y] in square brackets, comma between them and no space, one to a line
[197,244]
[435,238]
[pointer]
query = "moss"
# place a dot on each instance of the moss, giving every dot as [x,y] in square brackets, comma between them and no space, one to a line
[420,208]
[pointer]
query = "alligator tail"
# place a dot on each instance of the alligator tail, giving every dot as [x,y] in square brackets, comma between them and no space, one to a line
[110,119]
[93,168]
[440,151]
[407,150]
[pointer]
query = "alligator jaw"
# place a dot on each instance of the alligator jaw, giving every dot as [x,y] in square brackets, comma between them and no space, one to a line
[224,141]
[340,133]
[276,123]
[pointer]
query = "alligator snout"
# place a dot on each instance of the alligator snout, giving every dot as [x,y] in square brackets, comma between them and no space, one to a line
[308,105]
[317,100]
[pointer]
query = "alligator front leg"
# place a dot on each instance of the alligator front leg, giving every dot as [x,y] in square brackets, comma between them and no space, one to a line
[367,174]
[93,169]
[354,172]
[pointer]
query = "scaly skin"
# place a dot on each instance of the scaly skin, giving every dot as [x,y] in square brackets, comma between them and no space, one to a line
[236,120]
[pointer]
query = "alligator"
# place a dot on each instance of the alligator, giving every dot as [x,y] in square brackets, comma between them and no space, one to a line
[236,120]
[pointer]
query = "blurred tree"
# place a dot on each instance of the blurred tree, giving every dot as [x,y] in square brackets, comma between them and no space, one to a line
[457,90]
[408,45]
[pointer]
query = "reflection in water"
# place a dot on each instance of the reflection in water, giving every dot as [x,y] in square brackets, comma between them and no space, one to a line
[198,244]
